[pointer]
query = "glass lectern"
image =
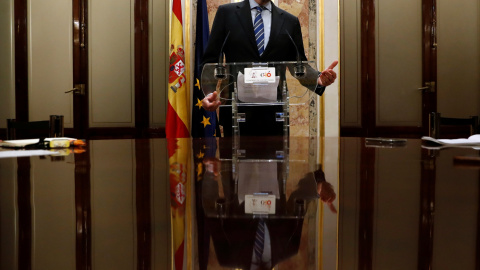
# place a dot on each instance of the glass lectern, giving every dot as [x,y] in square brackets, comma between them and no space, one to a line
[263,98]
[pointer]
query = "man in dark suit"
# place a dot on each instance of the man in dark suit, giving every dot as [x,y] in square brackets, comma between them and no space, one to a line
[237,21]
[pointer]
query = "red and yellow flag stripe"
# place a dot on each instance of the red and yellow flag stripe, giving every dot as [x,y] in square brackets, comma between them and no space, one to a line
[178,119]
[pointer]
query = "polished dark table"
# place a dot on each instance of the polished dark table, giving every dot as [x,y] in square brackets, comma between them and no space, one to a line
[164,204]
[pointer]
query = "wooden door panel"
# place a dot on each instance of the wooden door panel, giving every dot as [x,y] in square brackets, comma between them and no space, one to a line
[7,82]
[350,73]
[111,50]
[159,53]
[398,63]
[458,39]
[50,67]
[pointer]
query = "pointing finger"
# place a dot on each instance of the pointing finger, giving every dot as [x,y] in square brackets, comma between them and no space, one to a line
[212,96]
[332,208]
[334,64]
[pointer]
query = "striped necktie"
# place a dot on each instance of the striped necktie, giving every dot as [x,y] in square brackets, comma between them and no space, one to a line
[259,30]
[259,240]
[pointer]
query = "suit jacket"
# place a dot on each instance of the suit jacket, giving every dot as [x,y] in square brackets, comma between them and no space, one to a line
[240,46]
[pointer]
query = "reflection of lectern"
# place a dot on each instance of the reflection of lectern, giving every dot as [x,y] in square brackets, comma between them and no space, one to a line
[259,96]
[225,197]
[258,171]
[258,99]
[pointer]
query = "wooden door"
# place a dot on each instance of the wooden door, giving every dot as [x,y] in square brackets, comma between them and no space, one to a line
[389,67]
[43,60]
[50,62]
[100,49]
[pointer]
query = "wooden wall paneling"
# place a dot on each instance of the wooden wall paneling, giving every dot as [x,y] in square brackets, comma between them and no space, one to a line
[367,207]
[21,60]
[83,211]
[142,80]
[80,67]
[24,201]
[143,205]
[368,74]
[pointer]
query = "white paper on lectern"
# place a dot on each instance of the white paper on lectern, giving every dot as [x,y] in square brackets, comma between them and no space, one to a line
[256,92]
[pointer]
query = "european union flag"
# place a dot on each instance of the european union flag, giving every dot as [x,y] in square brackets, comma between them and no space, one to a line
[204,124]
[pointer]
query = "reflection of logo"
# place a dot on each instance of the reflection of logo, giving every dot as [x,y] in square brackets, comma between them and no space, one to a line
[177,171]
[261,202]
[180,193]
[178,178]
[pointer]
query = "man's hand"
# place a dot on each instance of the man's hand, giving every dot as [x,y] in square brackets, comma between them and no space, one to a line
[210,102]
[327,195]
[212,165]
[328,76]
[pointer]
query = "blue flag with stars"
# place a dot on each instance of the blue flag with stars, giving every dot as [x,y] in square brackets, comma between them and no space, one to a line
[204,123]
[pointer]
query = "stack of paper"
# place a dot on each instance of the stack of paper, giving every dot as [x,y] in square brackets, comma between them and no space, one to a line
[25,153]
[18,143]
[27,142]
[473,140]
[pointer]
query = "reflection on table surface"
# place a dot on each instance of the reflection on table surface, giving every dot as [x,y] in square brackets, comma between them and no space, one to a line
[334,203]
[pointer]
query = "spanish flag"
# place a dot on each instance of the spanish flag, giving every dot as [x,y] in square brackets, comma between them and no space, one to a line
[177,122]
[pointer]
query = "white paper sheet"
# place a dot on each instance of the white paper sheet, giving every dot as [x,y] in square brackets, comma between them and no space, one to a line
[25,142]
[472,140]
[25,153]
[18,143]
[256,92]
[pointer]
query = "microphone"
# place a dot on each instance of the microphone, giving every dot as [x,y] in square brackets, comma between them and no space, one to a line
[299,70]
[220,71]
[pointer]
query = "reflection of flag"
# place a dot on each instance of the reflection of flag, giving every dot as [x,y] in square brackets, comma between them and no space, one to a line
[177,110]
[202,148]
[203,123]
[179,157]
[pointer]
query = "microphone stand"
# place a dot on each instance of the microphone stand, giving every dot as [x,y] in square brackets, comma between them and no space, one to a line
[299,70]
[220,72]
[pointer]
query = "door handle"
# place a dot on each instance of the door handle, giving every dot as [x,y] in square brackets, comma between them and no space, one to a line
[77,89]
[428,88]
